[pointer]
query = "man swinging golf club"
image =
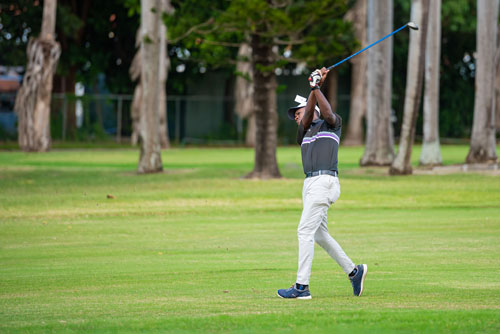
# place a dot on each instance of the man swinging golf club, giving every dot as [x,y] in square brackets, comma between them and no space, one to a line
[319,141]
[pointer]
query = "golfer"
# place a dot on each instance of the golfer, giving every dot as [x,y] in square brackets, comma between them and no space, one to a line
[319,142]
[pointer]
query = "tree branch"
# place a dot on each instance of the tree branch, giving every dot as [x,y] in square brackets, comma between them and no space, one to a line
[278,41]
[291,60]
[193,29]
[229,44]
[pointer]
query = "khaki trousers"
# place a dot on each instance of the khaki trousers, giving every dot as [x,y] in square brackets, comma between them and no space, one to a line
[318,194]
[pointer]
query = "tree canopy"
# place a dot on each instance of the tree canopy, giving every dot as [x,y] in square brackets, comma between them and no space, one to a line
[312,32]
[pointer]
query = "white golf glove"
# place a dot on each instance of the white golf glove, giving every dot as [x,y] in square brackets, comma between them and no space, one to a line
[315,79]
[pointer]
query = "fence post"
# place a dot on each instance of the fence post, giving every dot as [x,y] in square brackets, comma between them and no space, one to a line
[177,120]
[119,121]
[65,116]
[239,127]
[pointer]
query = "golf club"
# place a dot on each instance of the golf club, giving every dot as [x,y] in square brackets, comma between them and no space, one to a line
[411,25]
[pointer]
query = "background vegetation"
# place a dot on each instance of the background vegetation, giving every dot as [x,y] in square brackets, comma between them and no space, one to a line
[103,41]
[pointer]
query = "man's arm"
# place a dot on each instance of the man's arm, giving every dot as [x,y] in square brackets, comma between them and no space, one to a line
[324,106]
[309,112]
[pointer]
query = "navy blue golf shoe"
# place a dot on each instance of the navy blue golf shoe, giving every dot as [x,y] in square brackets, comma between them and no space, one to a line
[358,279]
[293,292]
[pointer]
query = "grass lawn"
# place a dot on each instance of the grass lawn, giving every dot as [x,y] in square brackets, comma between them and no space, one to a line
[197,249]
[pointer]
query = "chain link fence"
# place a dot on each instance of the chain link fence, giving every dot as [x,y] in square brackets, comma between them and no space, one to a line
[191,119]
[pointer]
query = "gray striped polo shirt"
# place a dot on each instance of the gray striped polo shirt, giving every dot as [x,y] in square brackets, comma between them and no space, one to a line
[319,145]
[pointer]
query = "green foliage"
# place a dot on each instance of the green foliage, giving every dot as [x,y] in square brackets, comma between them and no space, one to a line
[90,45]
[313,31]
[457,69]
[104,44]
[146,39]
[19,20]
[134,7]
[459,15]
[68,23]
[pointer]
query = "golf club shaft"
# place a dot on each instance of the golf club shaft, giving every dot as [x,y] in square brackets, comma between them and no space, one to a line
[369,46]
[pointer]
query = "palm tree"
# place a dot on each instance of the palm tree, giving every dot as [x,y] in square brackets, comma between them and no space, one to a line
[379,150]
[357,108]
[497,84]
[135,75]
[243,91]
[431,151]
[414,82]
[149,137]
[483,143]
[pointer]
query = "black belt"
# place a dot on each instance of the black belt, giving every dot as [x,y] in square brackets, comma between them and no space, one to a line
[322,172]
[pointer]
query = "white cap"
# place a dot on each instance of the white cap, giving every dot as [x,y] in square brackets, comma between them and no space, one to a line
[302,101]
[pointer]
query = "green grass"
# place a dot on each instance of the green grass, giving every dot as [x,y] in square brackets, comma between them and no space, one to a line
[197,249]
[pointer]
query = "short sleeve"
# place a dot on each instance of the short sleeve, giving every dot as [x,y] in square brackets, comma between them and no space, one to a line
[338,121]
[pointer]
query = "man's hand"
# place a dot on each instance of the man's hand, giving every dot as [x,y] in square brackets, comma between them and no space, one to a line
[315,79]
[324,73]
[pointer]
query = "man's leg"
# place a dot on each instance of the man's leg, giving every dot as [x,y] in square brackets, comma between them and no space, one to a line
[315,207]
[357,273]
[325,240]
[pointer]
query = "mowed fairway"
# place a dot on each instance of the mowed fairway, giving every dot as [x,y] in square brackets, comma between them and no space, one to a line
[197,249]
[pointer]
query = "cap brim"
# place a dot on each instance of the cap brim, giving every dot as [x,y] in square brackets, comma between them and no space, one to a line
[291,112]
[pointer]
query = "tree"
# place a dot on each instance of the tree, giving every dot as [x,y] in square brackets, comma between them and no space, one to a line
[243,92]
[135,75]
[414,83]
[483,142]
[269,27]
[357,108]
[431,151]
[497,84]
[265,85]
[379,149]
[150,155]
[34,97]
[164,66]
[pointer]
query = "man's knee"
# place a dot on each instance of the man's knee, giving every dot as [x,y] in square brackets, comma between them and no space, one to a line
[305,233]
[319,238]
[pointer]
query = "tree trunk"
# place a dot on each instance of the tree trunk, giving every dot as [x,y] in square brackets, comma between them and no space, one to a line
[483,142]
[251,131]
[34,97]
[163,70]
[497,85]
[379,150]
[135,113]
[265,106]
[414,81]
[150,156]
[135,75]
[357,108]
[243,91]
[431,150]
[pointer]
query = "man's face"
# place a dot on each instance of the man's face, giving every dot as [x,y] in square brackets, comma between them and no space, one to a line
[299,113]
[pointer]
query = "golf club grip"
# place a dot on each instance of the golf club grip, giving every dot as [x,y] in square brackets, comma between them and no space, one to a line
[369,46]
